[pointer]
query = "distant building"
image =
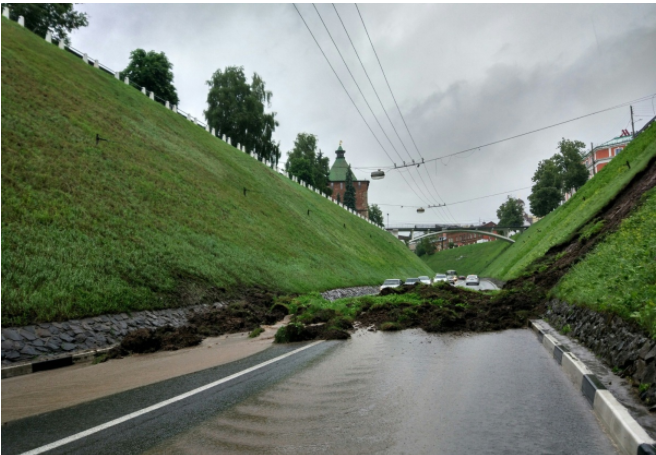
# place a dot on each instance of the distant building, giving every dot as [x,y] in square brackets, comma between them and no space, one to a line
[337,183]
[466,238]
[601,155]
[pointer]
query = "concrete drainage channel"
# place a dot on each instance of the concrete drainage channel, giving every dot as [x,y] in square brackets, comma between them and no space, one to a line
[620,425]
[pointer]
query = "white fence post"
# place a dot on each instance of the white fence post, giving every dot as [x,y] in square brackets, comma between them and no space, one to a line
[126,80]
[143,90]
[5,12]
[117,75]
[174,108]
[152,95]
[238,147]
[49,36]
[167,104]
[21,21]
[213,132]
[85,58]
[96,64]
[62,45]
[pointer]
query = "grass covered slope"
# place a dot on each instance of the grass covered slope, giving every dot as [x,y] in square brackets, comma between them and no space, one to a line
[466,260]
[563,223]
[156,216]
[619,276]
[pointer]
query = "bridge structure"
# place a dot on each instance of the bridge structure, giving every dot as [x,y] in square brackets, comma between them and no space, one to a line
[435,229]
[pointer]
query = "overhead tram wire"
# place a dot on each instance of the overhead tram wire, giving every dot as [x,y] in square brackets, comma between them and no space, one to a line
[350,98]
[395,103]
[367,102]
[385,110]
[466,200]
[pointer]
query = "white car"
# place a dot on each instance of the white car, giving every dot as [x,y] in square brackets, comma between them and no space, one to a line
[391,283]
[439,277]
[472,280]
[411,281]
[425,280]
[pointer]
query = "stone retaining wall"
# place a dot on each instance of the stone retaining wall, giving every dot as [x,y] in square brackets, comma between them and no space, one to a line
[46,340]
[620,345]
[350,292]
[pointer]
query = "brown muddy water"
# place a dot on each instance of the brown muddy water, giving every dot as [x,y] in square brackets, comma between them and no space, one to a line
[410,392]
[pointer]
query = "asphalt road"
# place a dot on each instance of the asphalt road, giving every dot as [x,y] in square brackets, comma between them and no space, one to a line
[405,392]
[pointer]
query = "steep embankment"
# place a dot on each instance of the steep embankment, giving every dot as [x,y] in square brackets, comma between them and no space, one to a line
[563,224]
[466,260]
[156,216]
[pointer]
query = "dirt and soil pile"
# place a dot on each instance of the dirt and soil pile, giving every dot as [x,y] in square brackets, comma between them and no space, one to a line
[446,308]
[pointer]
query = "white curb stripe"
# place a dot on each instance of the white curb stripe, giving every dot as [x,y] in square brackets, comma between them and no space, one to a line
[161,404]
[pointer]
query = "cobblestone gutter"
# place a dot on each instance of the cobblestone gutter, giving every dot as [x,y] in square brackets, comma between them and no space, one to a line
[46,340]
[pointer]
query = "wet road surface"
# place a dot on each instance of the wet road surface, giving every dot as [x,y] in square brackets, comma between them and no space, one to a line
[406,392]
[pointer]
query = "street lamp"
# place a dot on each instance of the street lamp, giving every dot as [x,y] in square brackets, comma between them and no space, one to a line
[377,175]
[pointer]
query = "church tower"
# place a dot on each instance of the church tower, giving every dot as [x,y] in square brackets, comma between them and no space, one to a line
[337,182]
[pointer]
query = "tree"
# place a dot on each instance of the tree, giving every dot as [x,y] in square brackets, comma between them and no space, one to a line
[153,71]
[306,164]
[511,213]
[349,193]
[59,18]
[376,215]
[236,109]
[546,194]
[570,163]
[425,247]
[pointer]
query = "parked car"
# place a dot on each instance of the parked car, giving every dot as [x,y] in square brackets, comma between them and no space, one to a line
[451,279]
[472,280]
[391,283]
[411,281]
[439,277]
[462,277]
[425,280]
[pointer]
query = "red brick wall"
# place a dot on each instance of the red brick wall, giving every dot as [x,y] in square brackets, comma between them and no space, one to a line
[361,195]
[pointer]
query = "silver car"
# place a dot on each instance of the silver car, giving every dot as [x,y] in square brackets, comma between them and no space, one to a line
[425,280]
[391,283]
[439,277]
[411,281]
[472,280]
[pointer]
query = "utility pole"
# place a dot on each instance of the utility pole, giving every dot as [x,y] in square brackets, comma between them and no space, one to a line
[594,166]
[632,127]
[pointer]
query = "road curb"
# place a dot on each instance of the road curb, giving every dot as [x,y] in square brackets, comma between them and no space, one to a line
[52,363]
[620,425]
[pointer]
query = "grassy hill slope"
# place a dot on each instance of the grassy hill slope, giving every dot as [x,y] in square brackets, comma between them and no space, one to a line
[619,275]
[466,260]
[563,223]
[155,217]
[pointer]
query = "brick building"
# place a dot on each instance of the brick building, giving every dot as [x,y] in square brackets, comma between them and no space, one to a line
[337,183]
[465,238]
[599,156]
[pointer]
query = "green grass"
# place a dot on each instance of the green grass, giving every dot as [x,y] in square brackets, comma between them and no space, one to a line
[619,276]
[562,224]
[156,216]
[466,260]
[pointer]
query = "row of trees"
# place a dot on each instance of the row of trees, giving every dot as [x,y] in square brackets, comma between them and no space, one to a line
[236,107]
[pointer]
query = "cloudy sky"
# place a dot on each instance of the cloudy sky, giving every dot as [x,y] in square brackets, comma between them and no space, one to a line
[463,76]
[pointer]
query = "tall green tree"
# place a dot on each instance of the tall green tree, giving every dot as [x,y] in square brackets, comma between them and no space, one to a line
[376,215]
[310,166]
[511,213]
[59,18]
[153,71]
[349,193]
[425,247]
[573,172]
[237,109]
[546,193]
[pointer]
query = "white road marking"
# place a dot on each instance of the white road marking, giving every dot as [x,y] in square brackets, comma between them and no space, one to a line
[161,404]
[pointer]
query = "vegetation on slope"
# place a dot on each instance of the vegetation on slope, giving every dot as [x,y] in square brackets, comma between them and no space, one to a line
[619,276]
[562,224]
[155,217]
[466,260]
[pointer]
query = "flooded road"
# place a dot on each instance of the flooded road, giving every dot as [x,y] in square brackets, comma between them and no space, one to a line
[410,392]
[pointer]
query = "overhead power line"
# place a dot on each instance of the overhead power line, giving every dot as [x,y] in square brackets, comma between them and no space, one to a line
[474,149]
[461,202]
